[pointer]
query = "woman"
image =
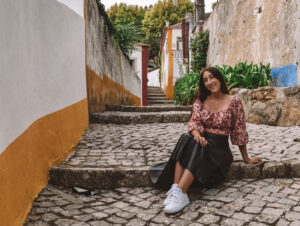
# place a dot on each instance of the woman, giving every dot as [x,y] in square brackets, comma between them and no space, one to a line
[203,156]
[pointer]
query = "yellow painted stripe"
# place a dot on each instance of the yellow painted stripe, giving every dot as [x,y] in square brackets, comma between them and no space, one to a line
[162,67]
[24,164]
[169,91]
[106,91]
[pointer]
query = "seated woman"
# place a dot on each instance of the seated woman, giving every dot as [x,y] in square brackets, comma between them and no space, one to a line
[203,156]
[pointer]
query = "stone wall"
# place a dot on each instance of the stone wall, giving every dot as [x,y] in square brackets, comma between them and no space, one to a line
[278,106]
[110,78]
[257,31]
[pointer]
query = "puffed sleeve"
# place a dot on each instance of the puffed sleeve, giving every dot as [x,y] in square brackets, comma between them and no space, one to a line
[239,134]
[194,122]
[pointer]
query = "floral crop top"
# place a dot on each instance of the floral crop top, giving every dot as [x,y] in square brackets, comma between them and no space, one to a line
[228,122]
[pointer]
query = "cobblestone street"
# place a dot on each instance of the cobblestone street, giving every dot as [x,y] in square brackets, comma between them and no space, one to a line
[236,202]
[140,145]
[246,201]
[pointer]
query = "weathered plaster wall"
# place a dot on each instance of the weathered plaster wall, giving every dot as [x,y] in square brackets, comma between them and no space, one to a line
[278,106]
[137,57]
[106,64]
[43,97]
[178,57]
[255,30]
[153,78]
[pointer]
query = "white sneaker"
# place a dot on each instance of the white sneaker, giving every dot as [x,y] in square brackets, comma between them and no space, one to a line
[176,203]
[166,201]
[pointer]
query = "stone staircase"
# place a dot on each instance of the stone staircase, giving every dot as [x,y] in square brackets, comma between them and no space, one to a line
[142,115]
[123,142]
[157,97]
[83,168]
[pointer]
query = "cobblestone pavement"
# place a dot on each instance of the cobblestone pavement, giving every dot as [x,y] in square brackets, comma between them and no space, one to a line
[142,145]
[235,202]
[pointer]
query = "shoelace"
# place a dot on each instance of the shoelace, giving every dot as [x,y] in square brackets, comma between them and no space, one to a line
[169,192]
[173,198]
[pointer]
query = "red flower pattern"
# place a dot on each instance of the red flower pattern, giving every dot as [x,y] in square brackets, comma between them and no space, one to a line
[228,122]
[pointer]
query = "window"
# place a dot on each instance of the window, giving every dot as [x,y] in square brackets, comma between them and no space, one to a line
[179,44]
[133,64]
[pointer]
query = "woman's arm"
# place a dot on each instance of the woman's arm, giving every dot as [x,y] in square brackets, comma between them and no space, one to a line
[194,125]
[243,150]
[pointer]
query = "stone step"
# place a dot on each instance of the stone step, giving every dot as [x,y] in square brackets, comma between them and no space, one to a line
[114,117]
[110,178]
[156,94]
[100,178]
[111,155]
[147,108]
[161,102]
[157,98]
[153,88]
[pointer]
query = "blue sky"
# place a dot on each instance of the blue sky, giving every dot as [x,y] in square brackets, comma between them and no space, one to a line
[109,3]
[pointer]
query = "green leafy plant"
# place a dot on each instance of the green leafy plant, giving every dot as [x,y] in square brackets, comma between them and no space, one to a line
[125,33]
[185,89]
[243,75]
[199,47]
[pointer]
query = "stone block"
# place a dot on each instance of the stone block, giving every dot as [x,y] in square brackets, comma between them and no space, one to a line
[253,118]
[274,169]
[100,178]
[242,170]
[291,90]
[251,170]
[295,168]
[235,170]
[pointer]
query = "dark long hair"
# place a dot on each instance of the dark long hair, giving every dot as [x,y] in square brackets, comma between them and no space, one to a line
[203,92]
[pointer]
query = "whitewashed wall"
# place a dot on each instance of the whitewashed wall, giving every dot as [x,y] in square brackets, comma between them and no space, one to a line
[178,57]
[257,31]
[43,68]
[153,78]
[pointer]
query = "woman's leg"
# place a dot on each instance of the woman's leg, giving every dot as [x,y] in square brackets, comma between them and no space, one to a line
[178,172]
[178,198]
[186,180]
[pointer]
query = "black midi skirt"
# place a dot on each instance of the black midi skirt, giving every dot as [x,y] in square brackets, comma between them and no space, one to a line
[209,165]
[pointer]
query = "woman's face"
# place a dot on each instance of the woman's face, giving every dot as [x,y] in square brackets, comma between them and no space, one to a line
[211,82]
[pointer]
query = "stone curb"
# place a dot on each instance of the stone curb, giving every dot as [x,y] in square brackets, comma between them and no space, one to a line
[146,108]
[110,178]
[100,178]
[139,118]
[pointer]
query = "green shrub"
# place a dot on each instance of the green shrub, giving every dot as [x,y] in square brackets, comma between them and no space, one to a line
[185,89]
[241,75]
[247,76]
[199,47]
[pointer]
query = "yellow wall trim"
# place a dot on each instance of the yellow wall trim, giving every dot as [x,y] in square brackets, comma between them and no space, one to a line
[169,91]
[24,164]
[106,91]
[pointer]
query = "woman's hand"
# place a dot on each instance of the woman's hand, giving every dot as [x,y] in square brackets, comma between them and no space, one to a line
[252,160]
[200,140]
